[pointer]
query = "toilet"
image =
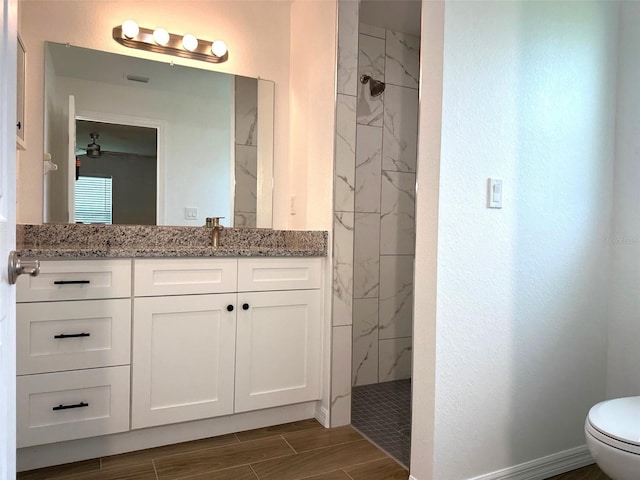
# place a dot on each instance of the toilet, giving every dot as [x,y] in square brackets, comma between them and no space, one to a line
[612,430]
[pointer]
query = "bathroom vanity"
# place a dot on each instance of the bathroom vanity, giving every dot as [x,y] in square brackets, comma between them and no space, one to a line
[134,345]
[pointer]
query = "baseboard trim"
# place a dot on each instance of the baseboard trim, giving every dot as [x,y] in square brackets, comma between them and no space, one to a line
[541,468]
[544,467]
[322,415]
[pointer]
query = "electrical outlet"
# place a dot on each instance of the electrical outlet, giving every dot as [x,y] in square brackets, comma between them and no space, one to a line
[292,206]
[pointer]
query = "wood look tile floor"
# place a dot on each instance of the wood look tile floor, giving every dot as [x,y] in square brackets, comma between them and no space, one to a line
[592,472]
[294,451]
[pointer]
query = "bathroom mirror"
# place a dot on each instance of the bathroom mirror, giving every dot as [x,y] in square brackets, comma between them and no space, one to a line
[134,141]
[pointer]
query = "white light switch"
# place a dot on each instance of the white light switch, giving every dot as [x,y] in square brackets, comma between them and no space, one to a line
[495,193]
[190,213]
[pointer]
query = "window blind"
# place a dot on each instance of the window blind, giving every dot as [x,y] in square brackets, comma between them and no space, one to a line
[93,200]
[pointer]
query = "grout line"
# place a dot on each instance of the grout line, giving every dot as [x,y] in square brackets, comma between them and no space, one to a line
[323,474]
[155,470]
[380,448]
[289,445]
[288,455]
[254,472]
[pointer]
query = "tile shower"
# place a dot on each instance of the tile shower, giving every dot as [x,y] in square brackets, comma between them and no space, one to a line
[374,230]
[384,238]
[384,223]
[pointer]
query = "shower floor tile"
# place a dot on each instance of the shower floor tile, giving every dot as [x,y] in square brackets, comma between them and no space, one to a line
[382,412]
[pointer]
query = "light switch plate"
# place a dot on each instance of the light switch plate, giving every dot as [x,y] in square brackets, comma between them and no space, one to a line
[494,199]
[190,213]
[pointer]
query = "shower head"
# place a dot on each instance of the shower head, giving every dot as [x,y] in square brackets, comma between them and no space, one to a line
[375,86]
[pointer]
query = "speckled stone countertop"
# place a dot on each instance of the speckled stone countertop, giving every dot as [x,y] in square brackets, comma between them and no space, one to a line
[127,241]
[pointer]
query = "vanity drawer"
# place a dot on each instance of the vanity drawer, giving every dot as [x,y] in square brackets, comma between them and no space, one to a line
[54,407]
[263,274]
[185,276]
[72,335]
[76,280]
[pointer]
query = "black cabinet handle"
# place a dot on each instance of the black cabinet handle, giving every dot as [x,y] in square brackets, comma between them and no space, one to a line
[245,306]
[72,335]
[19,125]
[67,407]
[71,282]
[229,308]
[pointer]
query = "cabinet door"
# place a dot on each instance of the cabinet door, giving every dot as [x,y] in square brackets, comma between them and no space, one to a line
[278,348]
[183,358]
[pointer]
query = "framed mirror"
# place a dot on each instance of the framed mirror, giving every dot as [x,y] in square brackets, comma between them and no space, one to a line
[134,141]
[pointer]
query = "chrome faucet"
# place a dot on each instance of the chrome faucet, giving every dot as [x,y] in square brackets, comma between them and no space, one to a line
[214,223]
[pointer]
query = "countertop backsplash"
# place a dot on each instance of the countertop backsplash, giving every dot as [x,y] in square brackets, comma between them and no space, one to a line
[86,241]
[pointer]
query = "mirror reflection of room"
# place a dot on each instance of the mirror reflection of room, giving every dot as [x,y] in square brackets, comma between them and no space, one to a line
[116,174]
[206,127]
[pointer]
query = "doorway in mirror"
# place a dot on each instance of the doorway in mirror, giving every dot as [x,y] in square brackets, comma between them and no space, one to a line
[116,174]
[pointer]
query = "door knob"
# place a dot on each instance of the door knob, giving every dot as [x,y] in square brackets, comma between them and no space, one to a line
[18,266]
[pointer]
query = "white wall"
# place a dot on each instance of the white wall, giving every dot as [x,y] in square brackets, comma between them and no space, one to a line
[426,254]
[623,372]
[520,322]
[312,111]
[256,32]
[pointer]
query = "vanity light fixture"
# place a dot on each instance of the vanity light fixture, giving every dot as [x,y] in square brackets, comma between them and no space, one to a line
[160,40]
[190,42]
[161,36]
[130,29]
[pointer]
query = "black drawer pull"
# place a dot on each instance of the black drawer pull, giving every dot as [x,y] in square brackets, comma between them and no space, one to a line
[245,306]
[71,282]
[72,335]
[67,407]
[229,308]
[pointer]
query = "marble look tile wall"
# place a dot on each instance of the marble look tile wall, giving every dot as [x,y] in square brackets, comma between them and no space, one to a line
[246,152]
[345,168]
[343,228]
[344,208]
[384,220]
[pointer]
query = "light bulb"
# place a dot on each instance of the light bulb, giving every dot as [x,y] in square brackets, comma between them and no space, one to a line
[130,29]
[161,36]
[189,42]
[219,48]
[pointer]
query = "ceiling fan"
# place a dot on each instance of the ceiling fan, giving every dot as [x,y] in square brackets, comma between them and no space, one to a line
[93,149]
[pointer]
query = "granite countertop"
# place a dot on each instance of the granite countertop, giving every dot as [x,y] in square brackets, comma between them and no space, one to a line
[115,241]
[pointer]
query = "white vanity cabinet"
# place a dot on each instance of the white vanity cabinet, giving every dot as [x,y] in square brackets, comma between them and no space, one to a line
[73,351]
[212,348]
[107,346]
